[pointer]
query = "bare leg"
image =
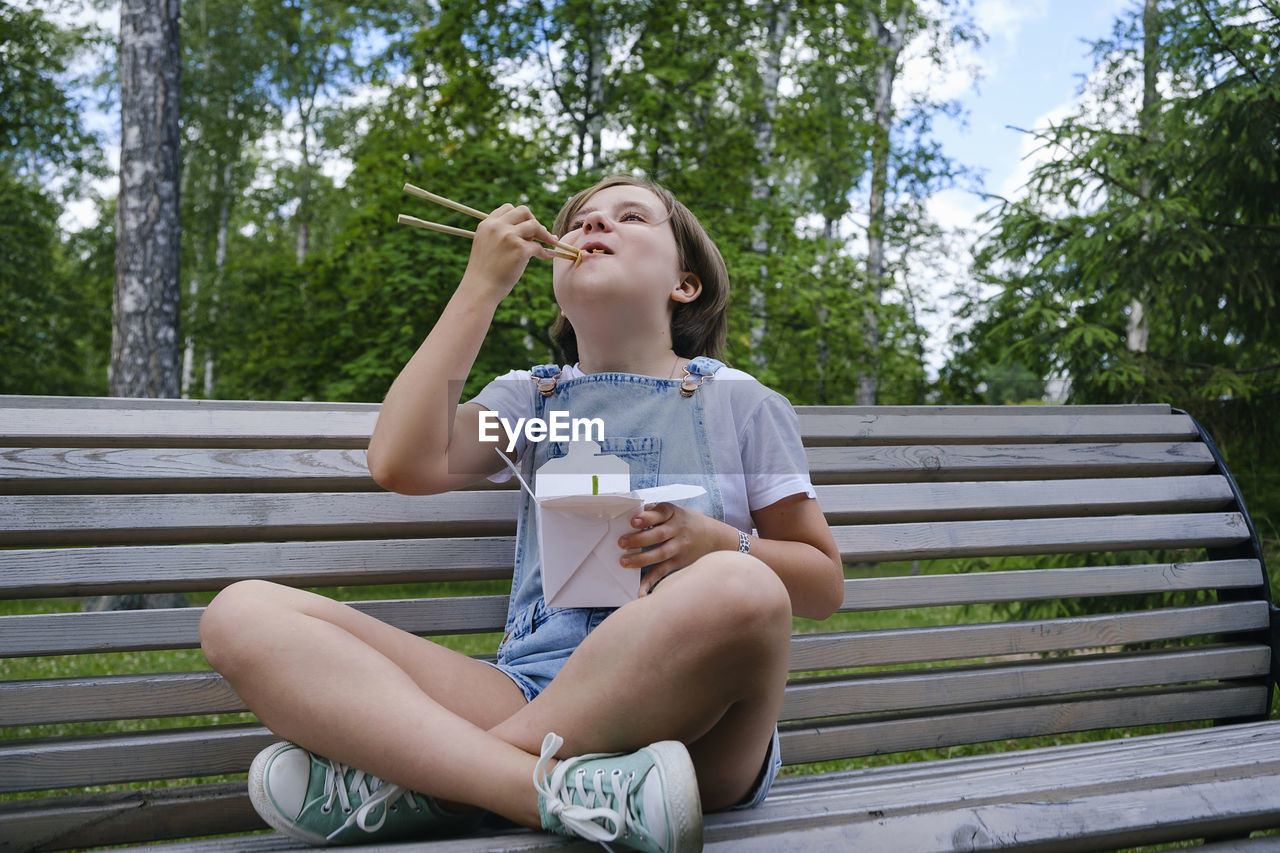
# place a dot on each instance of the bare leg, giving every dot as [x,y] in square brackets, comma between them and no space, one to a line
[703,660]
[347,686]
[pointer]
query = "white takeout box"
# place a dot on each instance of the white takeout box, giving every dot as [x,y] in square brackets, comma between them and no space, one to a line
[578,531]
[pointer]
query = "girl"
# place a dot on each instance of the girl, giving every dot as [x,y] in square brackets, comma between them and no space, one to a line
[629,721]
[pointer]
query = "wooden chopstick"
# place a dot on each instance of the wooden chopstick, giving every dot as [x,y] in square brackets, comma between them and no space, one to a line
[573,251]
[405,219]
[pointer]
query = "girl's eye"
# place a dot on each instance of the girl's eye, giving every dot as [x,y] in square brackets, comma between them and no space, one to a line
[632,216]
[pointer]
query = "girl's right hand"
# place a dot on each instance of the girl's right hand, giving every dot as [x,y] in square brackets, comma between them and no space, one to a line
[504,244]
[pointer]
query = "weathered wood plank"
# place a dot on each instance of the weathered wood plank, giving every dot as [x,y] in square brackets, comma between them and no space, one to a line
[803,743]
[181,568]
[873,543]
[124,697]
[810,652]
[934,590]
[946,687]
[1010,411]
[1091,821]
[79,633]
[185,427]
[873,503]
[941,462]
[175,754]
[99,470]
[48,701]
[892,429]
[146,630]
[125,817]
[94,470]
[28,520]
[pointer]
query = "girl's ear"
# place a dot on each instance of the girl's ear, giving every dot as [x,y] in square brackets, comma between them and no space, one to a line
[687,289]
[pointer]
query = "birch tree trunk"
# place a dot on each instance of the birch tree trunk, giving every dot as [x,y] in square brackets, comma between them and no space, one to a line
[777,18]
[890,40]
[145,358]
[593,112]
[1136,339]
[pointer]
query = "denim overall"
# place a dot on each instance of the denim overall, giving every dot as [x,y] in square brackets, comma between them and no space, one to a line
[659,427]
[661,434]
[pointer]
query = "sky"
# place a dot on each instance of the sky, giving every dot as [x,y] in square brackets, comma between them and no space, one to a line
[1029,72]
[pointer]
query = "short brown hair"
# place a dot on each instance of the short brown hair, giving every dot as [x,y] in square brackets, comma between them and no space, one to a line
[698,327]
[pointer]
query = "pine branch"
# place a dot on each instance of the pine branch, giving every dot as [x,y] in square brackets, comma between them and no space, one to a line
[1213,25]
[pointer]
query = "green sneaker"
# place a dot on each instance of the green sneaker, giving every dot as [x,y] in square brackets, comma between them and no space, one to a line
[323,802]
[647,800]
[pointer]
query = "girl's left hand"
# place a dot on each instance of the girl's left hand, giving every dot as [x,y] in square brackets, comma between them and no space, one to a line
[679,537]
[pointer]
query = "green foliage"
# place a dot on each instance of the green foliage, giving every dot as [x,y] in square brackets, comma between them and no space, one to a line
[1175,207]
[41,131]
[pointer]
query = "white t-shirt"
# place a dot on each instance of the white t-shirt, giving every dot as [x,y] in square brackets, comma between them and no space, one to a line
[753,432]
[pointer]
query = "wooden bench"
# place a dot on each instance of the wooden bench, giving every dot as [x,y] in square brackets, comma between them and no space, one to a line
[1079,568]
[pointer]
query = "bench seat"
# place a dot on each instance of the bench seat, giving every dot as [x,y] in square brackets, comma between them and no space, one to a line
[1012,573]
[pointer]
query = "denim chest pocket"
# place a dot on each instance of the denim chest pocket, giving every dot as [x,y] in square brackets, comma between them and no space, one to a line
[641,453]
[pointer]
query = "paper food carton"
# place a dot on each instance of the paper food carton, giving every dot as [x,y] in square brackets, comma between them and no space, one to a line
[584,502]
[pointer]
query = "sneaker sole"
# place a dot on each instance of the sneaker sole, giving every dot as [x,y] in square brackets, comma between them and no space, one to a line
[262,803]
[680,784]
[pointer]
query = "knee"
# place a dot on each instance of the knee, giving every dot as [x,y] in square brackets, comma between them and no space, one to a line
[226,632]
[744,592]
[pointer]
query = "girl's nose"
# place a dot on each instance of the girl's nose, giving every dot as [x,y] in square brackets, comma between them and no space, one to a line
[595,221]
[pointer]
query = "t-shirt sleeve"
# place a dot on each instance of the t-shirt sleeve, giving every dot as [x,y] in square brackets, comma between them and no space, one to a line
[511,396]
[773,458]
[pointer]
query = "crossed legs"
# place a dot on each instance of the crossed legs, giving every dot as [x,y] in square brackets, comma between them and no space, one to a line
[703,660]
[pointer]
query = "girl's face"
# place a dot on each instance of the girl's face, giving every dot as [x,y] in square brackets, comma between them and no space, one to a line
[630,254]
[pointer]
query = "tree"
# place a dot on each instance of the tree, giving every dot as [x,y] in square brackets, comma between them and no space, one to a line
[48,340]
[1171,201]
[144,351]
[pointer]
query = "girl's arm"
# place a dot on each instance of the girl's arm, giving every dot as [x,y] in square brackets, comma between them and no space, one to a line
[794,541]
[424,442]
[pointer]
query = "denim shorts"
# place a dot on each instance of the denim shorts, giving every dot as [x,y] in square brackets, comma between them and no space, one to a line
[533,677]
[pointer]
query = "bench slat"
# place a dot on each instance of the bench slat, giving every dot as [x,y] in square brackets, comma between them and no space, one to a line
[942,462]
[802,743]
[128,697]
[916,689]
[934,590]
[28,520]
[107,519]
[113,759]
[79,633]
[182,568]
[875,543]
[99,470]
[880,428]
[95,821]
[148,630]
[94,469]
[185,427]
[37,573]
[874,503]
[811,652]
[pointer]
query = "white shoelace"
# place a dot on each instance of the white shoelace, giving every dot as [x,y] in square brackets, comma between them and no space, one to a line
[373,792]
[600,801]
